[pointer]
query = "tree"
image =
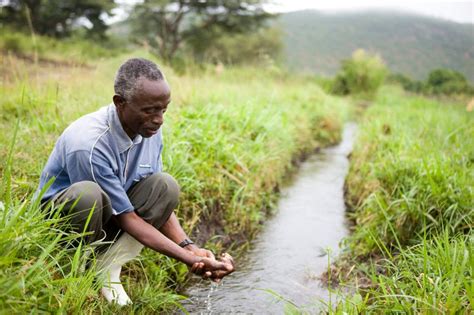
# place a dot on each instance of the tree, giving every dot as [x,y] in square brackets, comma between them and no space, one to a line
[406,82]
[166,24]
[260,47]
[56,17]
[446,81]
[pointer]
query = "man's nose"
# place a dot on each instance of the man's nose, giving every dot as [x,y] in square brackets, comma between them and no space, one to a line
[158,119]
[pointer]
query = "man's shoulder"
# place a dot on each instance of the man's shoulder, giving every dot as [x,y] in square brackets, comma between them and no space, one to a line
[84,133]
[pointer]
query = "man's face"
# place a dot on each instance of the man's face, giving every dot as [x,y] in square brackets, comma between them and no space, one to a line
[143,113]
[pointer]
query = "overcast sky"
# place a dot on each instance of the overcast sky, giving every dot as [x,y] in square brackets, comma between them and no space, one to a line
[459,11]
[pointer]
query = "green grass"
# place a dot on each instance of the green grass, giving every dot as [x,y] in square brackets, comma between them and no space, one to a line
[230,139]
[411,169]
[434,276]
[39,48]
[410,187]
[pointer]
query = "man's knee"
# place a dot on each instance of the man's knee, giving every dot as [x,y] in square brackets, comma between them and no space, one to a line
[173,188]
[87,208]
[155,198]
[86,195]
[169,186]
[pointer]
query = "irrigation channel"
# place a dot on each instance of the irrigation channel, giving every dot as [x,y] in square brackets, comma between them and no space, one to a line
[291,252]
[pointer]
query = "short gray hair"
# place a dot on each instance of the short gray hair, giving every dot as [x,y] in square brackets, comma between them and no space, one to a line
[130,73]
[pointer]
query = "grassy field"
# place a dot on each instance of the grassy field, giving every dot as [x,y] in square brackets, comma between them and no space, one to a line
[411,191]
[230,138]
[70,51]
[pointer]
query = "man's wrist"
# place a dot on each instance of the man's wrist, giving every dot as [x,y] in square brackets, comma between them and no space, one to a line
[185,243]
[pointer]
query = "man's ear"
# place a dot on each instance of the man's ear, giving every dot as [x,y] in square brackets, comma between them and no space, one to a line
[119,101]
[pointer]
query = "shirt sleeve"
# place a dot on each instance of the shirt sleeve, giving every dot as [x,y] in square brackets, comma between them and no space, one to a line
[82,166]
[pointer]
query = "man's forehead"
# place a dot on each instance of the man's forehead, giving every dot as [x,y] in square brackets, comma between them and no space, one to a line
[155,87]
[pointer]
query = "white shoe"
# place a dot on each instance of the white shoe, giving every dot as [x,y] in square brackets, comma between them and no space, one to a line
[110,264]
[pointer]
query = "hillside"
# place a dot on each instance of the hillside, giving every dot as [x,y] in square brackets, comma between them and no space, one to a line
[410,44]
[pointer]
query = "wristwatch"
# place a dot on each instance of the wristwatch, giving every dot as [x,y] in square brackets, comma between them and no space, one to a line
[186,242]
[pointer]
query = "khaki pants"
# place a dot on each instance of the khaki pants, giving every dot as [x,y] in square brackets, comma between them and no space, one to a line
[153,198]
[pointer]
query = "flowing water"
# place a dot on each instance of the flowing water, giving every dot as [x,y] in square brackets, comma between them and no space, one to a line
[292,250]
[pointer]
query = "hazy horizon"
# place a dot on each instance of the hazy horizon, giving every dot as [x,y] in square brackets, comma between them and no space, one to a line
[460,11]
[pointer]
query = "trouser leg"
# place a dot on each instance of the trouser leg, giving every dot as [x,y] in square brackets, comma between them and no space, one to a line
[78,201]
[154,199]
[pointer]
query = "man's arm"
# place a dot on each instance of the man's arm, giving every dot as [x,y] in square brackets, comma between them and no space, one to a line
[98,170]
[149,236]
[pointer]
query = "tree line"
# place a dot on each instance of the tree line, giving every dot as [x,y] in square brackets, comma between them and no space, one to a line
[439,81]
[170,28]
[364,73]
[227,31]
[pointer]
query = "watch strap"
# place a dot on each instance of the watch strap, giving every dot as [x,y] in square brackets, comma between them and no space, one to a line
[186,242]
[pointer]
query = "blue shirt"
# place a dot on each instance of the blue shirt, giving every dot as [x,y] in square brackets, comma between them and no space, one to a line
[96,148]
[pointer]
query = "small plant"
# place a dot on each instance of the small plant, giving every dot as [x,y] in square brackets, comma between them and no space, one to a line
[362,75]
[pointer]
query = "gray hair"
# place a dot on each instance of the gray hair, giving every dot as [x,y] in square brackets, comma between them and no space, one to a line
[130,73]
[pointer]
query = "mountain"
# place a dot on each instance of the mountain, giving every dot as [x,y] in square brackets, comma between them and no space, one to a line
[411,44]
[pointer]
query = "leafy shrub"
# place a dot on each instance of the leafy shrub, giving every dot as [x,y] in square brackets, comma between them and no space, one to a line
[362,75]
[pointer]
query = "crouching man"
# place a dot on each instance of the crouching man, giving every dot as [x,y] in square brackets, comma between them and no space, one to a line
[109,163]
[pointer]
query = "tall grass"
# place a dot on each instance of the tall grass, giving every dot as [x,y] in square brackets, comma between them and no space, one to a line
[432,277]
[411,170]
[39,267]
[229,140]
[45,49]
[410,186]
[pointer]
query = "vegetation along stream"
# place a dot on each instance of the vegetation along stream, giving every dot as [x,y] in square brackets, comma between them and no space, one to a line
[291,252]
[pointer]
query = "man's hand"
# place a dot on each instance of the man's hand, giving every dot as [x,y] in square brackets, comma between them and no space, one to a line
[219,274]
[198,268]
[210,268]
[201,252]
[214,269]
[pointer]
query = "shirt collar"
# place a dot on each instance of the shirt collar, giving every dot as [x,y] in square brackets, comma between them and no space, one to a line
[123,140]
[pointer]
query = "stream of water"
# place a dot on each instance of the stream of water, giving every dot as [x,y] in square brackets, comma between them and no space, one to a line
[290,253]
